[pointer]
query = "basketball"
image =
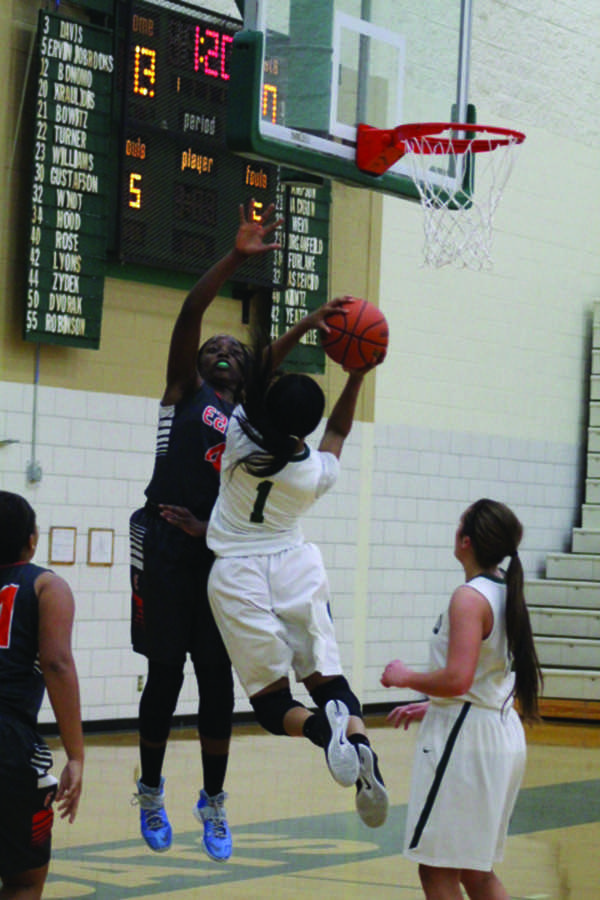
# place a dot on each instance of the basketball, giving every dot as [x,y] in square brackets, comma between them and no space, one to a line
[357,336]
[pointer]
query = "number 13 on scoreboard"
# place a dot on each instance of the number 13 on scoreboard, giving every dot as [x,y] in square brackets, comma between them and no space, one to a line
[144,64]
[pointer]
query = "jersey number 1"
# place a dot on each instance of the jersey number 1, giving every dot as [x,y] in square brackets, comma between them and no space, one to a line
[262,492]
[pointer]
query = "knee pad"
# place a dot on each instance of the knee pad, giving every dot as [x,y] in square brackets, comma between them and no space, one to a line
[271,708]
[337,689]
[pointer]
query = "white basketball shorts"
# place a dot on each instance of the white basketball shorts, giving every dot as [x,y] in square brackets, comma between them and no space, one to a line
[273,614]
[469,763]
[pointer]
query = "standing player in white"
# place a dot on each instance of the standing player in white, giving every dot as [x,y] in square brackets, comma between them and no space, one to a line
[470,754]
[268,588]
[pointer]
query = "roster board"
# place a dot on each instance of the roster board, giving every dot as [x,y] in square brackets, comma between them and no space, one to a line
[180,186]
[68,221]
[301,267]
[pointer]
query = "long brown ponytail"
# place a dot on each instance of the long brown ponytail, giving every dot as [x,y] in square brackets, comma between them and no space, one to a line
[496,533]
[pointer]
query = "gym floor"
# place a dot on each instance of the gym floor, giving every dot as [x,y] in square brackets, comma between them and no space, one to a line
[296,832]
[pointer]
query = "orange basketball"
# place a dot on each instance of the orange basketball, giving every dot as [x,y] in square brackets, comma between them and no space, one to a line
[357,336]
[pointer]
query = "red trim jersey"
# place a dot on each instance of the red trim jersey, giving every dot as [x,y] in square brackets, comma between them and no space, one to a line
[21,680]
[190,443]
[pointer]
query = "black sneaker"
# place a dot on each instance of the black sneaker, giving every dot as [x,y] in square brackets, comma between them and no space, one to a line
[371,795]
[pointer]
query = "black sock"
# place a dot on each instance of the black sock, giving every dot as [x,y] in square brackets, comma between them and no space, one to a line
[358,738]
[151,759]
[316,729]
[214,768]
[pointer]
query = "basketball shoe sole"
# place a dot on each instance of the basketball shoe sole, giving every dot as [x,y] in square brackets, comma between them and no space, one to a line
[341,756]
[372,800]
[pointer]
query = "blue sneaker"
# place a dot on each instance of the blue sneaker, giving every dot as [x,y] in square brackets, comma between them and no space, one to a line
[155,825]
[217,836]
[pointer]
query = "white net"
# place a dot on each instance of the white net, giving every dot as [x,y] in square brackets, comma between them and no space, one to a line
[460,191]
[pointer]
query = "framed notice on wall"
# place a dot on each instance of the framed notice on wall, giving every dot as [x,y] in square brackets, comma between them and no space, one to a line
[61,546]
[101,543]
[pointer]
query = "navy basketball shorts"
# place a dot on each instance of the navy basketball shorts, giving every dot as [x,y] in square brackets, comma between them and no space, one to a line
[26,816]
[170,613]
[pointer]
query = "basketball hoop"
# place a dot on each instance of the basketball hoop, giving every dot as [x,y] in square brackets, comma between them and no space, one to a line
[439,157]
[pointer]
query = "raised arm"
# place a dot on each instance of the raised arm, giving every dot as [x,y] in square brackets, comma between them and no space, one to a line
[315,319]
[56,611]
[340,421]
[182,372]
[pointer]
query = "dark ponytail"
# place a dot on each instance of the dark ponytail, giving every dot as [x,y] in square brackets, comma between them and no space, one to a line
[528,674]
[496,533]
[278,409]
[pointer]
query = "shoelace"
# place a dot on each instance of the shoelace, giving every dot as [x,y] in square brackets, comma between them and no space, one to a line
[218,819]
[154,819]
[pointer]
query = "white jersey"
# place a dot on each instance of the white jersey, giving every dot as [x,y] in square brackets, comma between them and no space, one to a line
[494,680]
[255,516]
[469,756]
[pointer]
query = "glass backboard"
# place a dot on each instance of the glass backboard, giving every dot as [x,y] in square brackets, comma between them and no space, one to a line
[305,73]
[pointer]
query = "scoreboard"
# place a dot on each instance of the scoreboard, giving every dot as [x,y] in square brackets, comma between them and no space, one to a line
[180,186]
[130,165]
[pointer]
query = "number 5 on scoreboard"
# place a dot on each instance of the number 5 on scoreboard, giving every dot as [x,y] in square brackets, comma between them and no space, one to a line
[135,190]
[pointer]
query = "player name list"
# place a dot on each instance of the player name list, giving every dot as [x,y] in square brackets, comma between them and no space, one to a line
[69,196]
[301,265]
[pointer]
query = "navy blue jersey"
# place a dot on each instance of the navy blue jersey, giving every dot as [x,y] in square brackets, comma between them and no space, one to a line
[21,680]
[189,446]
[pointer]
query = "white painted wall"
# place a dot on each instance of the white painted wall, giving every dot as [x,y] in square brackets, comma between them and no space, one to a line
[386,531]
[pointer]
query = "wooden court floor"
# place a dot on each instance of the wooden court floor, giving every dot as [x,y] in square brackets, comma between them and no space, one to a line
[296,833]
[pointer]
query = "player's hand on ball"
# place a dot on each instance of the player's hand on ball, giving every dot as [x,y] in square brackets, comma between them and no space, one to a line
[376,361]
[318,317]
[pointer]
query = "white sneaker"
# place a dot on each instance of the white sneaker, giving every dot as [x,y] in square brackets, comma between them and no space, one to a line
[341,756]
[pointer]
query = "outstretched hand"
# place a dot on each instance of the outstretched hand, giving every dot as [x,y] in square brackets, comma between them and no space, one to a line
[404,715]
[250,239]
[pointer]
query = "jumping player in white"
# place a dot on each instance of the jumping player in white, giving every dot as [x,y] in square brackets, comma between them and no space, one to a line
[170,615]
[268,589]
[470,754]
